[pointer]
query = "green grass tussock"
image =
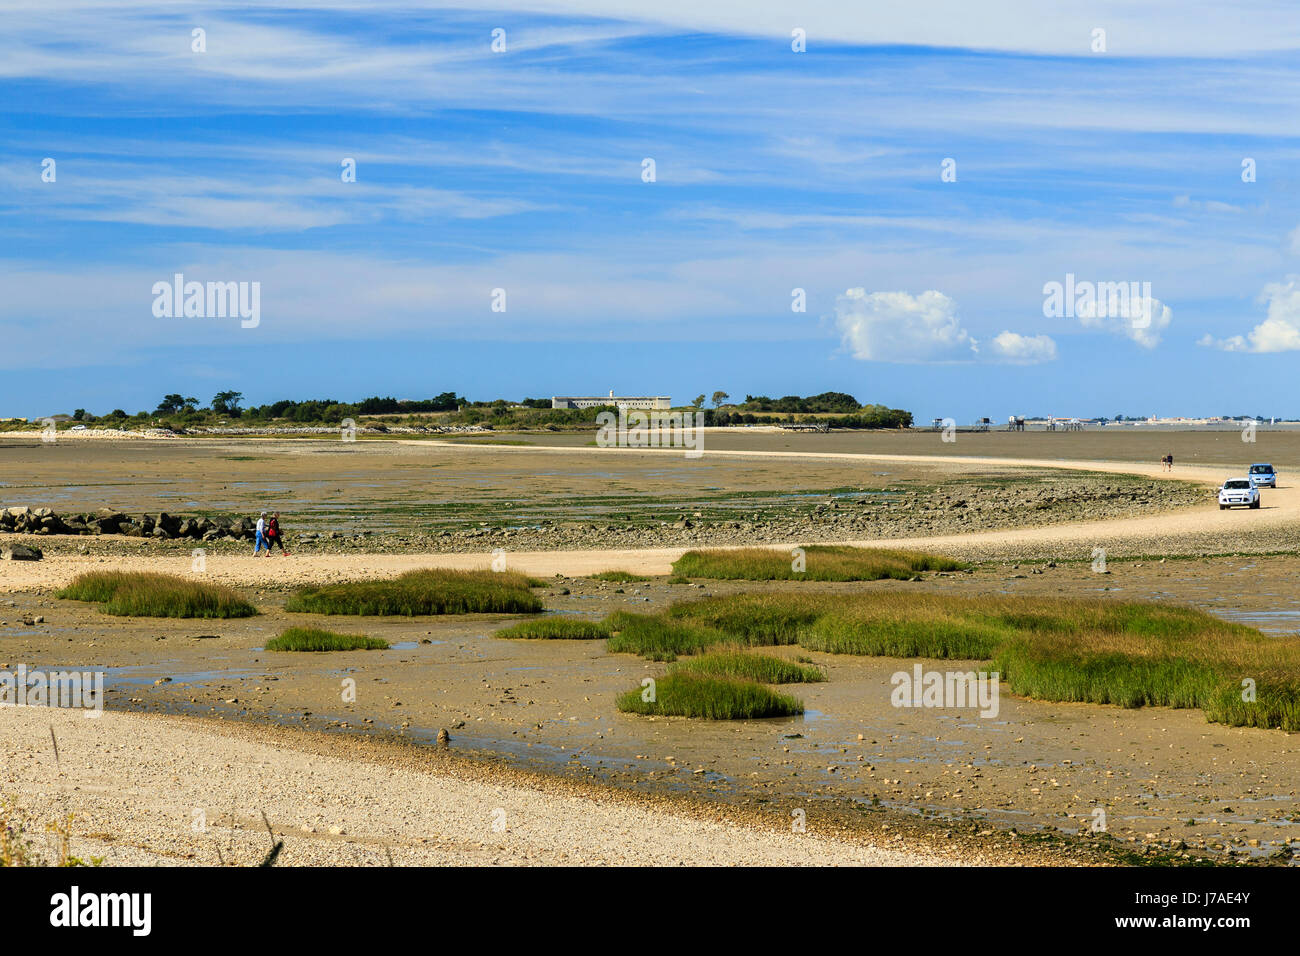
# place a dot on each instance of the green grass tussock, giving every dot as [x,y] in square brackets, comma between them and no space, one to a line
[557,628]
[687,694]
[658,639]
[619,577]
[314,639]
[424,592]
[141,594]
[744,665]
[823,562]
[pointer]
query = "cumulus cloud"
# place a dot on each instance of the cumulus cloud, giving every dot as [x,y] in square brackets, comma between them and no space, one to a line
[1017,349]
[1279,332]
[1140,318]
[901,327]
[1294,240]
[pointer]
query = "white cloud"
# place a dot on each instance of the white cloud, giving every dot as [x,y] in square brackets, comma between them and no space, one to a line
[1140,318]
[1017,349]
[1279,332]
[901,327]
[1205,205]
[1294,237]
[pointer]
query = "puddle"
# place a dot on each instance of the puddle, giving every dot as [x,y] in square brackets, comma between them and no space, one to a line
[1270,622]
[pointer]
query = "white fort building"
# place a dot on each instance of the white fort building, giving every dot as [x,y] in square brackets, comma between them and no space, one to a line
[620,401]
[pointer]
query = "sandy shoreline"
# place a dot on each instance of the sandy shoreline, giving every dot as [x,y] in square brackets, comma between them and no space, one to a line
[154,782]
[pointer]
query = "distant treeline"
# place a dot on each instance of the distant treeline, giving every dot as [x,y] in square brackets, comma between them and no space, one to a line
[870,416]
[845,410]
[834,402]
[835,409]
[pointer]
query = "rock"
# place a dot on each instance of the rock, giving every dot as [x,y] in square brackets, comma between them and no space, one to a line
[105,525]
[21,552]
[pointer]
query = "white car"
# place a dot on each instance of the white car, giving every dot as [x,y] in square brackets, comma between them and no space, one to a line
[1238,493]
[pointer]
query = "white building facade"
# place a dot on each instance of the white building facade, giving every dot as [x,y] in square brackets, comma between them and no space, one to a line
[618,401]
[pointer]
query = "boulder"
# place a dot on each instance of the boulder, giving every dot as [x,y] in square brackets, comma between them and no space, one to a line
[104,525]
[20,552]
[168,523]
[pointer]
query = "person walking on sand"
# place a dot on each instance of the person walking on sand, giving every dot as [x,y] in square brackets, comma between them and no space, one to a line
[273,536]
[259,539]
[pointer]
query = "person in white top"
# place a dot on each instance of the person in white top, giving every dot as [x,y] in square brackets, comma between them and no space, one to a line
[260,541]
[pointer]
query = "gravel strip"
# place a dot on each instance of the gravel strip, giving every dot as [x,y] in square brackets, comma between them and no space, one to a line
[142,786]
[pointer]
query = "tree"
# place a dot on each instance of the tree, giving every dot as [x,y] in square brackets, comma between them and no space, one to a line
[719,397]
[190,405]
[227,403]
[170,405]
[698,401]
[79,414]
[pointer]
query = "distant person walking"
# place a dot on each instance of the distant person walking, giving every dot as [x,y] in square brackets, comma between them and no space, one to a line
[273,535]
[1169,460]
[259,540]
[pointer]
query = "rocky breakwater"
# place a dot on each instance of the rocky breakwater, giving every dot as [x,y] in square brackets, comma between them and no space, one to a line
[43,521]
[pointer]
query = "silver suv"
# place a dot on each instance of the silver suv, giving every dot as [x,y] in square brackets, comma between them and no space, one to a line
[1238,493]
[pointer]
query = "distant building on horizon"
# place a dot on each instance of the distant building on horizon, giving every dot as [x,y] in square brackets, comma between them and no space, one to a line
[619,401]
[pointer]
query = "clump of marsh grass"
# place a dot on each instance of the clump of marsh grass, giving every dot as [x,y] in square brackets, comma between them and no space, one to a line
[619,577]
[658,638]
[823,562]
[1125,653]
[424,592]
[687,694]
[557,628]
[144,594]
[314,639]
[744,665]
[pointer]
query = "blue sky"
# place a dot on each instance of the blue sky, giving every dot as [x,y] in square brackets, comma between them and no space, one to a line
[775,170]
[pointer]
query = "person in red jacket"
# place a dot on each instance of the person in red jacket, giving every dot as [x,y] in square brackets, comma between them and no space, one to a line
[273,536]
